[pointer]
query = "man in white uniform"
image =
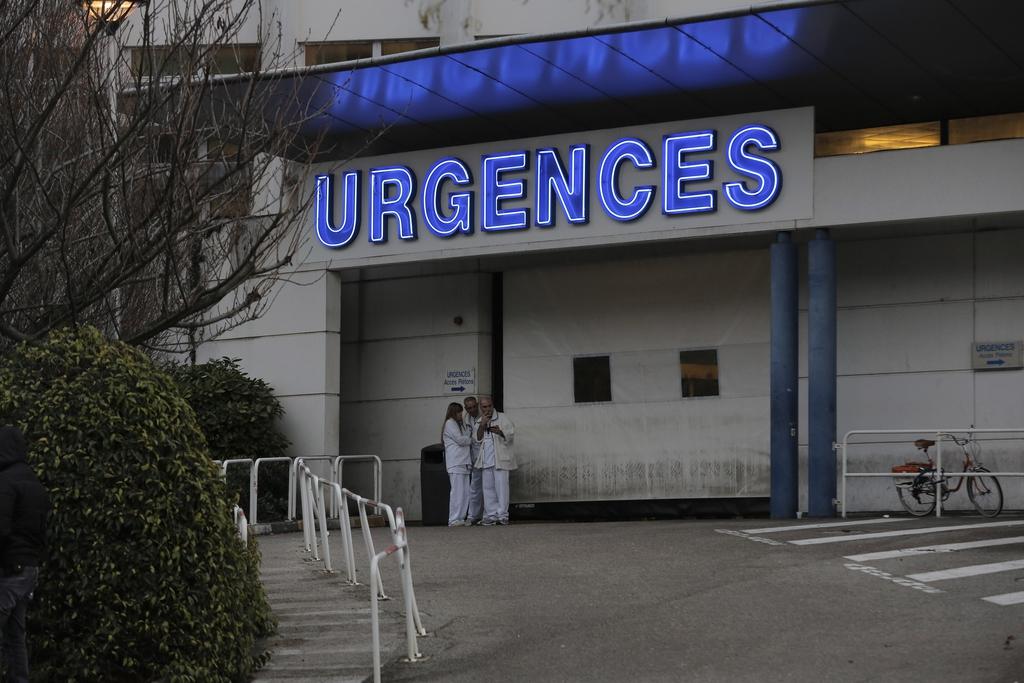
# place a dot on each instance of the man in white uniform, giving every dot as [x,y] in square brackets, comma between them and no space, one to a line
[495,433]
[476,481]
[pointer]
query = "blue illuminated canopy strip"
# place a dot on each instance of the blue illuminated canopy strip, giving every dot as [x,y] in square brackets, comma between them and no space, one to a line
[858,63]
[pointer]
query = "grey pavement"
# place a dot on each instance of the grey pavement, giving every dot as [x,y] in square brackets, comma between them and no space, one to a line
[690,600]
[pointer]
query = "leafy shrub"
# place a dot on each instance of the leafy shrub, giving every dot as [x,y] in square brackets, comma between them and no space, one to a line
[145,578]
[239,416]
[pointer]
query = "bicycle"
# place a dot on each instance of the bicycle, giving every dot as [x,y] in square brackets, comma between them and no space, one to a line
[918,494]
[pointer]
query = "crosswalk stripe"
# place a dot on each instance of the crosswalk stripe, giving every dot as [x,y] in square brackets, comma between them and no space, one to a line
[1006,598]
[930,549]
[962,572]
[903,532]
[824,525]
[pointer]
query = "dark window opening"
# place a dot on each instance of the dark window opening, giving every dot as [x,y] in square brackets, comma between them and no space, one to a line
[699,372]
[592,379]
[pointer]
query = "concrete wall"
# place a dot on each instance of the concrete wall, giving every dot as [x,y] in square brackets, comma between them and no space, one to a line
[909,310]
[398,337]
[296,348]
[649,442]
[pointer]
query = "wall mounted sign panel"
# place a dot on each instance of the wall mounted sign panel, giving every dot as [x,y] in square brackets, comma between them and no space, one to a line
[996,355]
[715,176]
[460,381]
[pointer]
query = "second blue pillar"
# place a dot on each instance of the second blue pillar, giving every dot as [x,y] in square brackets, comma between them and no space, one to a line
[821,375]
[784,369]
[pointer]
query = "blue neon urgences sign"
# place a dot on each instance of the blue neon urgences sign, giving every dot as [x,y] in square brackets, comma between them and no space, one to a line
[451,201]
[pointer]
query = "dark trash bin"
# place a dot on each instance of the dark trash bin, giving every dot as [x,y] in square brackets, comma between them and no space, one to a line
[434,486]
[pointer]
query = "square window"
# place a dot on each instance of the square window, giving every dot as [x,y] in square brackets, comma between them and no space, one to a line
[699,372]
[592,379]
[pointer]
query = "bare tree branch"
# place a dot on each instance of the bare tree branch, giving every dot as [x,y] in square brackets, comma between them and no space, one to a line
[128,172]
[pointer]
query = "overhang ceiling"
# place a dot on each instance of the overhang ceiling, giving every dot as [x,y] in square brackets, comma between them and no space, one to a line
[860,63]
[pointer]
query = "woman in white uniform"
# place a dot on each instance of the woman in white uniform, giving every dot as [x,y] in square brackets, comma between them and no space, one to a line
[457,439]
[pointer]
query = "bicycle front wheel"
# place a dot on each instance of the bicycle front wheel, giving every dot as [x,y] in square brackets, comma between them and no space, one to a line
[916,495]
[985,493]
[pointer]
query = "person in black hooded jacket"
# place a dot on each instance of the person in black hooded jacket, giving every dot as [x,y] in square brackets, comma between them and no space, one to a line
[24,505]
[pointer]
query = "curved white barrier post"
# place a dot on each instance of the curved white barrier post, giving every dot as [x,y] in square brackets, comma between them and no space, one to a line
[339,462]
[241,525]
[399,544]
[346,531]
[322,518]
[293,476]
[254,485]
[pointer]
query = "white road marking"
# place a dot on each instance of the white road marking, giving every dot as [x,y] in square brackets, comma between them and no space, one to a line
[909,583]
[904,532]
[825,525]
[1006,598]
[756,539]
[930,549]
[972,570]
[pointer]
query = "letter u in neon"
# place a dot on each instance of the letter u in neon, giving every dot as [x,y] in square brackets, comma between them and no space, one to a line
[326,232]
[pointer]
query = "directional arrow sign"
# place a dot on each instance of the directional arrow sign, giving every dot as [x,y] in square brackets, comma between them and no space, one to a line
[996,355]
[459,380]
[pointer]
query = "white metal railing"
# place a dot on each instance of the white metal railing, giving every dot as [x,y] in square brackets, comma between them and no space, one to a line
[337,463]
[241,524]
[254,483]
[292,478]
[940,435]
[314,506]
[336,473]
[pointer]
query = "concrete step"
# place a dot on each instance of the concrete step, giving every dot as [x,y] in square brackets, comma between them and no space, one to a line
[324,628]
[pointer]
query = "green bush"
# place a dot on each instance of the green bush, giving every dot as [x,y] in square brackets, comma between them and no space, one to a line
[145,578]
[239,416]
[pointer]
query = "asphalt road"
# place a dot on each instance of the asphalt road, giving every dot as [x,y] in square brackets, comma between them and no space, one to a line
[715,600]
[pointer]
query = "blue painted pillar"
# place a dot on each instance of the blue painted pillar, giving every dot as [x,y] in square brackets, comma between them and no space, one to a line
[784,368]
[821,366]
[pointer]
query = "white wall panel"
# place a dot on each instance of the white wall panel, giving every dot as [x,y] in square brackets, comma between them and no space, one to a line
[904,185]
[695,301]
[648,442]
[906,270]
[893,339]
[293,364]
[905,401]
[681,449]
[744,370]
[311,423]
[416,307]
[1000,320]
[403,368]
[306,302]
[543,381]
[1001,402]
[643,377]
[1000,262]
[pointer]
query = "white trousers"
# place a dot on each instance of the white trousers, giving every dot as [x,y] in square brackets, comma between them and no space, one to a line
[495,494]
[476,495]
[458,499]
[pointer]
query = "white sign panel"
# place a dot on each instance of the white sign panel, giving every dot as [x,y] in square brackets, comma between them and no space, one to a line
[460,381]
[716,176]
[996,355]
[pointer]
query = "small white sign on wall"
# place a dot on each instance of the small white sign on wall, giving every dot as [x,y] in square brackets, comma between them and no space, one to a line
[996,355]
[460,381]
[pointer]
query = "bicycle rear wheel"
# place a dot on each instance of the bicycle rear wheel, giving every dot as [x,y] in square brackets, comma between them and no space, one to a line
[985,493]
[917,495]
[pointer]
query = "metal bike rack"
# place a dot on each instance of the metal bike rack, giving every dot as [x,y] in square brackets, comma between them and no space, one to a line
[940,436]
